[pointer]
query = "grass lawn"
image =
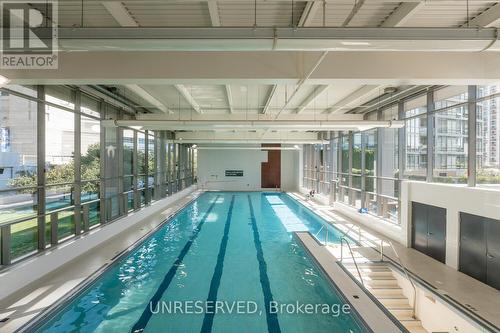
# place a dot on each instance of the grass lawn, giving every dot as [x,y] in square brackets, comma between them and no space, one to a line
[24,238]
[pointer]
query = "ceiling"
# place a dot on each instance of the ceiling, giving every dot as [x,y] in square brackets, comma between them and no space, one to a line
[280,13]
[239,99]
[241,79]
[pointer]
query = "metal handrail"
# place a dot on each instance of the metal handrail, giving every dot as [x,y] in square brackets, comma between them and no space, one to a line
[404,270]
[381,259]
[342,240]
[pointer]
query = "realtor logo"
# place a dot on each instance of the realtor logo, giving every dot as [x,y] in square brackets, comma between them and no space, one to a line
[29,34]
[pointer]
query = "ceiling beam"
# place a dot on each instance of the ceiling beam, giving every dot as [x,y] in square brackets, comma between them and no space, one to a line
[281,1]
[354,11]
[302,82]
[486,18]
[229,97]
[402,14]
[309,13]
[188,97]
[246,135]
[141,92]
[120,13]
[265,68]
[213,10]
[272,91]
[309,99]
[354,98]
[266,33]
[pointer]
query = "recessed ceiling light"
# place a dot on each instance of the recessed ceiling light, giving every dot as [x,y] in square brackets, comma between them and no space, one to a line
[355,43]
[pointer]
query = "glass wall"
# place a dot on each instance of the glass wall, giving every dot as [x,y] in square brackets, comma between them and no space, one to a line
[415,113]
[18,170]
[488,136]
[90,174]
[450,134]
[433,146]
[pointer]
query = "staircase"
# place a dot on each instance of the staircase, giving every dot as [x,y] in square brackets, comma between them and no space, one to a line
[379,280]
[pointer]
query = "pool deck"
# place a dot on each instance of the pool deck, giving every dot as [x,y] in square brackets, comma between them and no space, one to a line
[371,314]
[475,297]
[27,303]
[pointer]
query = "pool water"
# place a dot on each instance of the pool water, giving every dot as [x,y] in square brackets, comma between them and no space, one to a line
[234,249]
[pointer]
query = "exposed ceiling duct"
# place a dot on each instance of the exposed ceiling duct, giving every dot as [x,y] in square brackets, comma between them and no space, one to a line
[278,39]
[278,125]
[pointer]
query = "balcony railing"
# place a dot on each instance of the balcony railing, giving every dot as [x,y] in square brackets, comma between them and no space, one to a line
[29,235]
[379,195]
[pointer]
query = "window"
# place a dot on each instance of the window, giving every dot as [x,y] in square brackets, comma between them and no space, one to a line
[370,160]
[18,170]
[151,162]
[488,136]
[90,159]
[59,154]
[451,135]
[128,166]
[142,166]
[59,161]
[416,148]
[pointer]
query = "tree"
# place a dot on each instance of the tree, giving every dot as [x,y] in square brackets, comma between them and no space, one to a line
[64,173]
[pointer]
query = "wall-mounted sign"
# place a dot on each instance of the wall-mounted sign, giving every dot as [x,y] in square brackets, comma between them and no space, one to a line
[234,173]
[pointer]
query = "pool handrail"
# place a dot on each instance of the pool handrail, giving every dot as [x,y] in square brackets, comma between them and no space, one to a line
[342,240]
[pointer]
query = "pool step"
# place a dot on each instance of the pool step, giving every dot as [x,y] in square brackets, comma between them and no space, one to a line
[400,312]
[416,330]
[372,273]
[394,302]
[379,280]
[380,291]
[384,282]
[410,322]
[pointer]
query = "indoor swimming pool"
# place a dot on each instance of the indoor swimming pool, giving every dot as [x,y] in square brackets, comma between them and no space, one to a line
[227,261]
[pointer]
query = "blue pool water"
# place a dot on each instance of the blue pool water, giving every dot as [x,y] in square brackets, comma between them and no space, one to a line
[234,249]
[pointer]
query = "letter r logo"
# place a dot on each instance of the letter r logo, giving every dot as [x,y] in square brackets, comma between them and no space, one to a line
[19,21]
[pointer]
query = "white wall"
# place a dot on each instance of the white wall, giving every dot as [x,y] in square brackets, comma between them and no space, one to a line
[290,170]
[456,199]
[212,164]
[434,313]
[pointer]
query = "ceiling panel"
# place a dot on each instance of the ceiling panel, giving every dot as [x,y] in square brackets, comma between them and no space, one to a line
[372,14]
[151,14]
[446,13]
[280,14]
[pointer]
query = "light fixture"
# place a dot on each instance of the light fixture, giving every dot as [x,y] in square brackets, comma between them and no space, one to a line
[194,146]
[296,147]
[136,127]
[355,43]
[3,80]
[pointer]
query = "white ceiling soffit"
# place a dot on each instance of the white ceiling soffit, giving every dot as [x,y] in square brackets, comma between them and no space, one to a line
[174,125]
[280,39]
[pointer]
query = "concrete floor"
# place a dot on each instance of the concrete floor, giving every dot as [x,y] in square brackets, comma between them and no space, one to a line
[30,301]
